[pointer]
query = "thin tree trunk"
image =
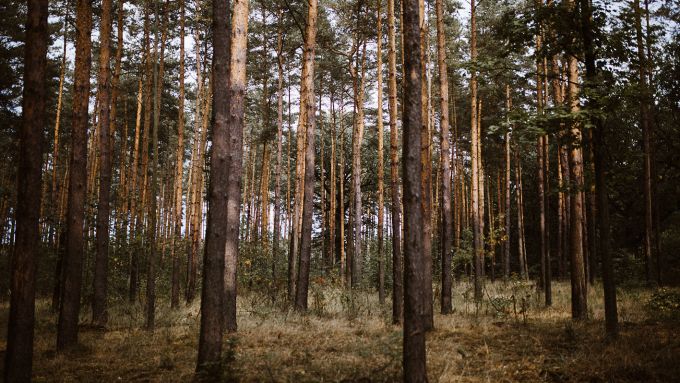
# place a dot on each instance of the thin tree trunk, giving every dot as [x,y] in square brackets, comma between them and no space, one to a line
[381,164]
[426,177]
[101,268]
[447,227]
[477,235]
[397,277]
[508,231]
[179,168]
[279,147]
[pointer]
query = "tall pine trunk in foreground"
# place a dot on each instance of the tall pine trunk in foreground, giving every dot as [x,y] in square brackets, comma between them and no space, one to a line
[212,297]
[179,166]
[579,292]
[397,278]
[67,329]
[447,218]
[601,169]
[381,165]
[414,357]
[237,95]
[478,244]
[426,177]
[19,356]
[101,268]
[279,146]
[308,192]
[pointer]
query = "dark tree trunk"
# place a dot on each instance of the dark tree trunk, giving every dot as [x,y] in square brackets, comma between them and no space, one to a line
[67,330]
[414,357]
[601,167]
[101,266]
[212,294]
[447,218]
[19,356]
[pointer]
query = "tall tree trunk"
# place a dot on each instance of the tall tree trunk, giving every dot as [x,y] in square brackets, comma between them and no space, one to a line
[381,164]
[212,295]
[397,277]
[153,259]
[645,123]
[579,288]
[426,177]
[521,246]
[133,199]
[601,167]
[476,219]
[101,267]
[508,231]
[19,355]
[308,193]
[447,218]
[237,93]
[357,139]
[67,329]
[179,167]
[279,146]
[414,357]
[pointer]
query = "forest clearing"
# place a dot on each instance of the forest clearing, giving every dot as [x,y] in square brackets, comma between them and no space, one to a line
[340,190]
[342,342]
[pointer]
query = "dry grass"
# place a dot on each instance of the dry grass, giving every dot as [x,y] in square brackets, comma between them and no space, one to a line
[349,339]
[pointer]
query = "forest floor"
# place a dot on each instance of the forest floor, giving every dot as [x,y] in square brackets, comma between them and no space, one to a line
[351,339]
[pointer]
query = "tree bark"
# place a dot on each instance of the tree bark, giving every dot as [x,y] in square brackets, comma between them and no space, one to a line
[212,293]
[101,267]
[601,167]
[179,167]
[19,356]
[579,288]
[237,93]
[67,329]
[279,146]
[397,277]
[506,244]
[308,193]
[381,164]
[414,357]
[447,218]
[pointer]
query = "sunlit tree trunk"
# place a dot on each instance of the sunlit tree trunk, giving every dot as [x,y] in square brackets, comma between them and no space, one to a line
[176,243]
[237,94]
[381,163]
[308,192]
[579,287]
